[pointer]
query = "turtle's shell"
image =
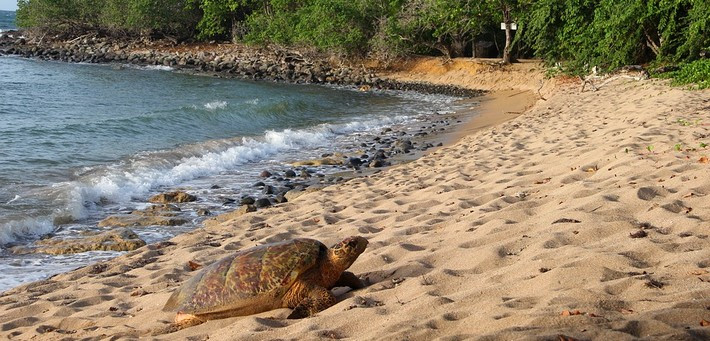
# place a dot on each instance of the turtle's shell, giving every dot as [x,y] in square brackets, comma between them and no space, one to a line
[249,281]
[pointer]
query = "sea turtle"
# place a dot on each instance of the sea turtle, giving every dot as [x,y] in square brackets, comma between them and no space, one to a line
[296,273]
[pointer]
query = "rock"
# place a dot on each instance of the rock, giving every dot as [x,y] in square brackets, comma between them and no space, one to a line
[228,201]
[262,202]
[247,201]
[203,212]
[259,184]
[171,197]
[113,240]
[402,146]
[326,161]
[268,189]
[354,162]
[137,220]
[165,210]
[280,198]
[265,174]
[289,173]
[376,163]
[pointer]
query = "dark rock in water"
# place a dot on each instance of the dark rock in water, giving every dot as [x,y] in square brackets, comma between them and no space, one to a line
[215,187]
[170,197]
[386,130]
[326,154]
[402,146]
[280,198]
[379,155]
[228,201]
[203,212]
[247,201]
[376,163]
[263,202]
[354,162]
[113,240]
[268,189]
[259,184]
[265,174]
[289,173]
[364,156]
[439,144]
[305,174]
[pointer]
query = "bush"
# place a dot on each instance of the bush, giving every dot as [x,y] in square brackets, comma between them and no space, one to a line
[696,74]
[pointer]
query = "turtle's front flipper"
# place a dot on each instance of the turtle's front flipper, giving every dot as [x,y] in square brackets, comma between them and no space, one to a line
[317,299]
[348,279]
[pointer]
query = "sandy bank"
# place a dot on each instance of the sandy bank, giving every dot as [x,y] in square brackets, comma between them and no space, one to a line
[584,217]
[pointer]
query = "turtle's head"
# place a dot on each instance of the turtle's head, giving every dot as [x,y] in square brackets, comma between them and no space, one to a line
[347,251]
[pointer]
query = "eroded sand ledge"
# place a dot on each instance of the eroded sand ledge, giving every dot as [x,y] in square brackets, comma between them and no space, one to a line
[560,221]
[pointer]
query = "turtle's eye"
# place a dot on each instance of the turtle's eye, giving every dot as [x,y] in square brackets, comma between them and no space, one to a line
[352,243]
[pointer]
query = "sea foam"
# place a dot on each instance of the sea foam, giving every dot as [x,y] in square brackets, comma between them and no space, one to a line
[123,183]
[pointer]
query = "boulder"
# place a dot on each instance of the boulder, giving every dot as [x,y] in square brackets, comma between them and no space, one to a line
[165,210]
[137,220]
[113,240]
[172,197]
[263,202]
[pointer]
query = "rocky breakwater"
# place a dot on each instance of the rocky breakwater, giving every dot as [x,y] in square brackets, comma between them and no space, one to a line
[230,60]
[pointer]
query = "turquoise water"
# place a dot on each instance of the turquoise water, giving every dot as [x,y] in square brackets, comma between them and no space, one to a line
[79,142]
[7,20]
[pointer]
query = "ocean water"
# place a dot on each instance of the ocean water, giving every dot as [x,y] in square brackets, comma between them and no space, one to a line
[79,142]
[7,21]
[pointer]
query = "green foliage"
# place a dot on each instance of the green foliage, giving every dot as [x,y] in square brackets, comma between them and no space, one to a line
[696,74]
[343,25]
[442,25]
[169,16]
[573,35]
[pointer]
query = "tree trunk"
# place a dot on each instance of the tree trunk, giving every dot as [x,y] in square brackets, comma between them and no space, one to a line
[457,47]
[508,35]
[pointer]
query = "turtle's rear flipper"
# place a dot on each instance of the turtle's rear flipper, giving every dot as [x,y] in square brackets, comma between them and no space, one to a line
[317,299]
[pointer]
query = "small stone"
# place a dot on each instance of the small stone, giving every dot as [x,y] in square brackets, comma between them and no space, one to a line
[247,201]
[262,202]
[203,212]
[172,197]
[289,173]
[265,174]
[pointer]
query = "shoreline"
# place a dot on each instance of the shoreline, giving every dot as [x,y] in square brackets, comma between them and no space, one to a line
[558,223]
[180,216]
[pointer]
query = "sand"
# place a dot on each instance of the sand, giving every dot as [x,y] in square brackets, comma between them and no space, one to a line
[584,217]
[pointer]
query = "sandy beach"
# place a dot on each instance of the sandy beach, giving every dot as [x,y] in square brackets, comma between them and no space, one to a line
[557,215]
